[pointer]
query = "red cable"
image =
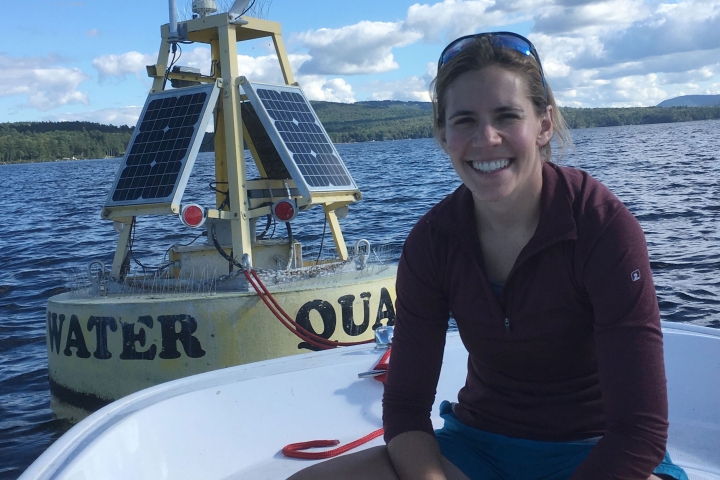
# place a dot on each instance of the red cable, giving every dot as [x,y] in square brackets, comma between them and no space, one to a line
[294,449]
[279,317]
[277,310]
[310,334]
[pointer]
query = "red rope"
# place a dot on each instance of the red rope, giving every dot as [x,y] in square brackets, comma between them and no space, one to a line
[296,328]
[294,449]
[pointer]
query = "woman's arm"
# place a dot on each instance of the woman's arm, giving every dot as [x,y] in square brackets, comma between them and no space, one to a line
[419,341]
[629,349]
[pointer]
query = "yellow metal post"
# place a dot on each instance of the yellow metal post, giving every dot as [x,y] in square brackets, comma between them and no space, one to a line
[122,249]
[219,139]
[234,151]
[336,233]
[283,58]
[162,62]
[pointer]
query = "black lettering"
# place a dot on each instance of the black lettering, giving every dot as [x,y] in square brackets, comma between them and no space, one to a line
[102,324]
[327,314]
[385,310]
[348,320]
[76,339]
[170,336]
[129,351]
[54,331]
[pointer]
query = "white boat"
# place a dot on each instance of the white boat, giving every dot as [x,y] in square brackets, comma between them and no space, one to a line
[233,423]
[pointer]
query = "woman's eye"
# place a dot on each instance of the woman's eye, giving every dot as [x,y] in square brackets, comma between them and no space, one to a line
[463,120]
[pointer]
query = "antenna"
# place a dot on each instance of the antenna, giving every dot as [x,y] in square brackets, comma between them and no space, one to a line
[238,8]
[173,37]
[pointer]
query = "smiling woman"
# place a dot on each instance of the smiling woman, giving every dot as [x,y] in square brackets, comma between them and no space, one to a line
[556,308]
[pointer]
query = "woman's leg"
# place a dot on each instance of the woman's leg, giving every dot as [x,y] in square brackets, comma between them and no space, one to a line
[373,463]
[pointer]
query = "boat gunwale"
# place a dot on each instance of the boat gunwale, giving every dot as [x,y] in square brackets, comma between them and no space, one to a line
[60,455]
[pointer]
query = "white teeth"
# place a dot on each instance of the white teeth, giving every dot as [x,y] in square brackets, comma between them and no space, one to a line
[491,166]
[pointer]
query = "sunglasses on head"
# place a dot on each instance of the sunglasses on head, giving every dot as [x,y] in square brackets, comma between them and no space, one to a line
[497,39]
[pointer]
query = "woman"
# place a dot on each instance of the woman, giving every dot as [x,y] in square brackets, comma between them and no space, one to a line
[547,276]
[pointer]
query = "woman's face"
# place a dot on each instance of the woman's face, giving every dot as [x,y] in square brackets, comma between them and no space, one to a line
[493,135]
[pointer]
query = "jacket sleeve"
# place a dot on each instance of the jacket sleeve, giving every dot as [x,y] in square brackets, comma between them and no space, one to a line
[629,348]
[419,341]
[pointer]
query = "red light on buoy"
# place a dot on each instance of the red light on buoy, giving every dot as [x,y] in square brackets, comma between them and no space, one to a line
[192,215]
[284,210]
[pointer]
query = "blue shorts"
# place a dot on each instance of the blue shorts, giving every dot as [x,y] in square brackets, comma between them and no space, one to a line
[489,456]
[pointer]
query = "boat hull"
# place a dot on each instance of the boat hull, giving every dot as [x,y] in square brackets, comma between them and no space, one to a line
[232,424]
[103,348]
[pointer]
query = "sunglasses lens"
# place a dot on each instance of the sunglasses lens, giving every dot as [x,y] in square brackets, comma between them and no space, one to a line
[454,48]
[510,41]
[497,39]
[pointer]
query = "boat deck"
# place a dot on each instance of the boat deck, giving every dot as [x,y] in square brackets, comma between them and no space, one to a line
[232,423]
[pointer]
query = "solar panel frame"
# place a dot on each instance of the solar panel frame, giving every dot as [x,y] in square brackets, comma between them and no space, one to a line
[150,157]
[320,159]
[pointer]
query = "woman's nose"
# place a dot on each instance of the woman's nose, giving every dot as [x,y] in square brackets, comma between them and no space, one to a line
[486,135]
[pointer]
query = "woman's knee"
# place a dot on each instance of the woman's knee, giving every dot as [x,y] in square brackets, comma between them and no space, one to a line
[371,463]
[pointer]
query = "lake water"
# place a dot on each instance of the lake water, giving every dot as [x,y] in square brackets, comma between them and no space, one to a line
[668,175]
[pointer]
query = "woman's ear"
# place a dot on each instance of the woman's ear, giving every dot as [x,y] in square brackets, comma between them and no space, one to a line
[442,139]
[547,123]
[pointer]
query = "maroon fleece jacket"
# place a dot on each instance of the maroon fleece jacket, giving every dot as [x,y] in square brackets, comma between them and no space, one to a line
[571,350]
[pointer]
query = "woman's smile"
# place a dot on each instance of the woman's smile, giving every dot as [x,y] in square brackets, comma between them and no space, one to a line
[491,166]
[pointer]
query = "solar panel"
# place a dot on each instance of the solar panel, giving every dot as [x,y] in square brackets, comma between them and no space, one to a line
[162,151]
[299,137]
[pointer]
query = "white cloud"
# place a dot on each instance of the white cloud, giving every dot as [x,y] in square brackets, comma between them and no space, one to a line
[451,19]
[590,18]
[363,48]
[688,26]
[414,88]
[630,91]
[318,87]
[367,47]
[107,116]
[199,57]
[408,89]
[266,69]
[45,84]
[119,66]
[93,33]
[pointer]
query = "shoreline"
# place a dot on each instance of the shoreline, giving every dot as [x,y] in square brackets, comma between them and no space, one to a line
[22,162]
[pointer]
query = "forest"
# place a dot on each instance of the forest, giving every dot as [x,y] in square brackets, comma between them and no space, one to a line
[47,141]
[345,123]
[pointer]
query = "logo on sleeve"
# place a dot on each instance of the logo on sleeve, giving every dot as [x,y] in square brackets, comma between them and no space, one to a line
[635,276]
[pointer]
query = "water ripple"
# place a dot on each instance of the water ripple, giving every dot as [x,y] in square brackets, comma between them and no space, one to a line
[668,176]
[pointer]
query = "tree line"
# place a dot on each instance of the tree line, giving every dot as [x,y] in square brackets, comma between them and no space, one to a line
[47,141]
[345,123]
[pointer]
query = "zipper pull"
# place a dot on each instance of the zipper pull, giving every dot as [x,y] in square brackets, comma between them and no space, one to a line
[507,324]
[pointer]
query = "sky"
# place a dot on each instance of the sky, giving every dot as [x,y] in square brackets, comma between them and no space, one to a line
[85,59]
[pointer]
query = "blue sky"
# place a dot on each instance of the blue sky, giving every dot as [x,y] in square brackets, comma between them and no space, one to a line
[84,59]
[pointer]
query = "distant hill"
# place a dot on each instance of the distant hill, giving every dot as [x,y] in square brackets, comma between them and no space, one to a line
[45,141]
[344,122]
[375,121]
[692,101]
